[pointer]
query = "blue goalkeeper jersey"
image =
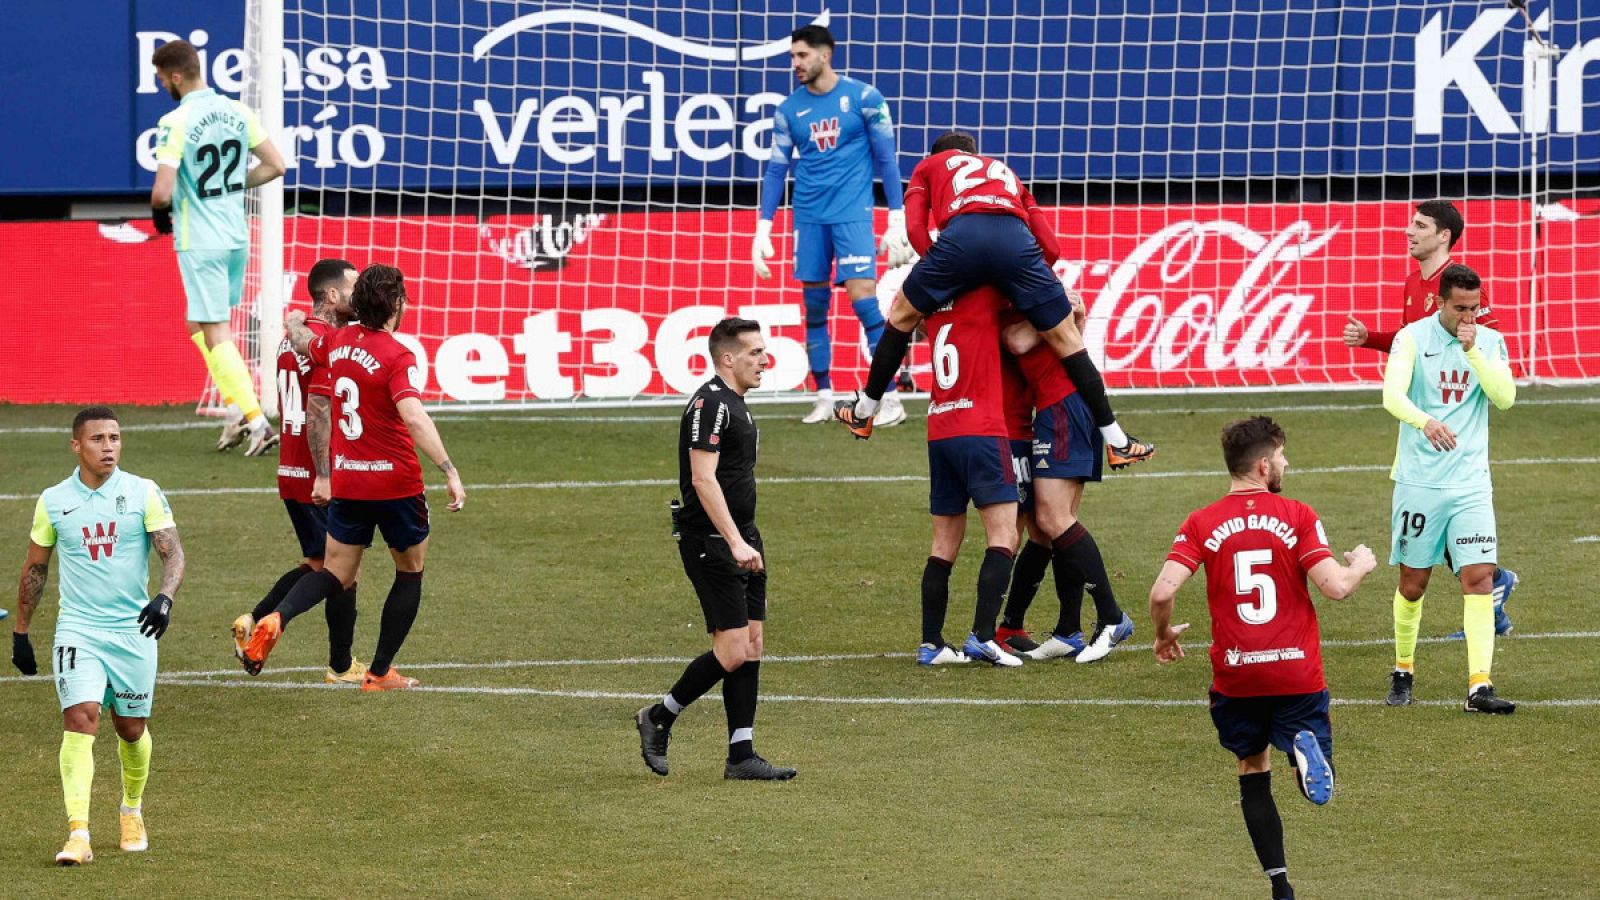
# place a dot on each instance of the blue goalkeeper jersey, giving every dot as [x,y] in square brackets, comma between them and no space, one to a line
[842,139]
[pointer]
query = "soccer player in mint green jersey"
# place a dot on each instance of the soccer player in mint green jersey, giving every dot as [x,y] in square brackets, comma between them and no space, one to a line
[104,522]
[1442,374]
[202,171]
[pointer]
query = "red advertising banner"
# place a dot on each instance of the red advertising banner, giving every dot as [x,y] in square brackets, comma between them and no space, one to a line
[617,305]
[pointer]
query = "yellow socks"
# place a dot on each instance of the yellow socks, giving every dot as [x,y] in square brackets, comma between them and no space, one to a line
[1407,620]
[135,768]
[233,378]
[1477,620]
[199,340]
[77,775]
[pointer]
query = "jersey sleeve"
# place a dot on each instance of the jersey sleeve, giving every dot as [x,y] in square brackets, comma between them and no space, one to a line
[403,380]
[321,374]
[1039,224]
[1313,546]
[1489,361]
[169,140]
[157,512]
[1397,382]
[880,136]
[706,422]
[43,533]
[916,203]
[1186,550]
[254,133]
[775,177]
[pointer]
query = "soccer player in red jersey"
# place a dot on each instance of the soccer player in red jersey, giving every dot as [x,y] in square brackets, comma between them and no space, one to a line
[990,232]
[1033,557]
[969,458]
[376,483]
[1267,688]
[1431,235]
[329,284]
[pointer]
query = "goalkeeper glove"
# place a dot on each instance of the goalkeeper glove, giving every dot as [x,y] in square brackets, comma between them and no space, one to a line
[22,654]
[761,248]
[895,244]
[155,617]
[162,217]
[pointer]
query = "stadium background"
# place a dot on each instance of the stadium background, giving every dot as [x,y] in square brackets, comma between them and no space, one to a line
[1229,181]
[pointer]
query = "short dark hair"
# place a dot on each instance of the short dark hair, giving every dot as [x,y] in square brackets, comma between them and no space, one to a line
[92,414]
[1444,215]
[177,56]
[815,35]
[379,293]
[1457,277]
[725,337]
[954,140]
[326,274]
[1247,440]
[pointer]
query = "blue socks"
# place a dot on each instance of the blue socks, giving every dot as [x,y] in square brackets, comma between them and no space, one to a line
[819,349]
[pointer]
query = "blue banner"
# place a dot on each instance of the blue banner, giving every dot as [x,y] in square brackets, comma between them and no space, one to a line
[446,96]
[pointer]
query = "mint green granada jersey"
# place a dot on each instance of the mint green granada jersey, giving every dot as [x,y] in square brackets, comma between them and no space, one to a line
[1444,385]
[102,538]
[208,140]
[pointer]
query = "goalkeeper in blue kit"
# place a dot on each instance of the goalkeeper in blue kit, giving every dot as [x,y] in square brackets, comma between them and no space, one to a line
[836,132]
[1443,372]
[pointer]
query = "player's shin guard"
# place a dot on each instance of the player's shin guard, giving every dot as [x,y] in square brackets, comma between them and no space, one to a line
[1477,620]
[739,692]
[399,611]
[280,590]
[819,347]
[311,589]
[1076,547]
[135,757]
[77,774]
[1026,576]
[871,319]
[993,576]
[1407,621]
[935,599]
[341,614]
[886,359]
[700,675]
[233,378]
[1265,827]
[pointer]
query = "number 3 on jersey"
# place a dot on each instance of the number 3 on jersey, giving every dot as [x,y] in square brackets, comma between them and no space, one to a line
[1246,580]
[349,405]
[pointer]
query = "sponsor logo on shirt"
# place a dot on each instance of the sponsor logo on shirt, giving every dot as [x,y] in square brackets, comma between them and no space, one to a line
[938,409]
[102,541]
[345,464]
[825,133]
[1237,657]
[1453,385]
[293,472]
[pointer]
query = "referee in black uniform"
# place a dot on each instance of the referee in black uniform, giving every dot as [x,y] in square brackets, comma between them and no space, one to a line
[722,554]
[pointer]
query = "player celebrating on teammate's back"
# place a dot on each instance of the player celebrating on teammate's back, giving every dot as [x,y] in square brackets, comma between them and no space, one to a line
[304,450]
[377,484]
[1442,374]
[104,522]
[201,161]
[991,231]
[843,133]
[1267,687]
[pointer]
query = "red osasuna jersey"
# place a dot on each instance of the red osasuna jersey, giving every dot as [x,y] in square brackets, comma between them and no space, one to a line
[1257,547]
[1018,398]
[296,375]
[1422,300]
[968,393]
[369,374]
[955,183]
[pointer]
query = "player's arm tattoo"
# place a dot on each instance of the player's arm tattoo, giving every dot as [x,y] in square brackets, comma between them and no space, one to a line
[300,336]
[447,467]
[30,590]
[318,425]
[170,550]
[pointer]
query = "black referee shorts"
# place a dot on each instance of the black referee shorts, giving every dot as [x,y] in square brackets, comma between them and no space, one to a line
[729,596]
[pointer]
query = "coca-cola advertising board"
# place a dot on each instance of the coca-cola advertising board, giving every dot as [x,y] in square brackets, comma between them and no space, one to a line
[559,306]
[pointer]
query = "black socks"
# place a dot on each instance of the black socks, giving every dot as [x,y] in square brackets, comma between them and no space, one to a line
[1076,549]
[993,577]
[341,614]
[935,599]
[311,589]
[399,611]
[1266,829]
[739,690]
[1091,387]
[1026,577]
[286,583]
[886,359]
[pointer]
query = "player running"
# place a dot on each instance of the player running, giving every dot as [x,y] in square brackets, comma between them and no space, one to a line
[969,458]
[202,172]
[991,232]
[376,483]
[1442,374]
[1431,234]
[838,132]
[1267,687]
[104,522]
[306,423]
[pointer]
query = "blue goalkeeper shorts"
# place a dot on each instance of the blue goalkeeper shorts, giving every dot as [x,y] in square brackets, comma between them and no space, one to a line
[1431,525]
[111,668]
[849,244]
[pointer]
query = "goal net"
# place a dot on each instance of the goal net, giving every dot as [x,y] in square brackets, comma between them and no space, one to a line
[571,187]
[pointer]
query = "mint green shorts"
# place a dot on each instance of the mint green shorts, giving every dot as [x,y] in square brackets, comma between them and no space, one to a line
[1432,525]
[115,669]
[213,280]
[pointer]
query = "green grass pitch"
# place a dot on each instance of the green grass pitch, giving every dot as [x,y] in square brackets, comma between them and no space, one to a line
[550,601]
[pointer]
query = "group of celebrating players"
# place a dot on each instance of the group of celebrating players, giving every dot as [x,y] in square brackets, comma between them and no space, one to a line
[1016,423]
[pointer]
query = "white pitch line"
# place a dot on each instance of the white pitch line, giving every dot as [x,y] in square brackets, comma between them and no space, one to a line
[848,479]
[1587,539]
